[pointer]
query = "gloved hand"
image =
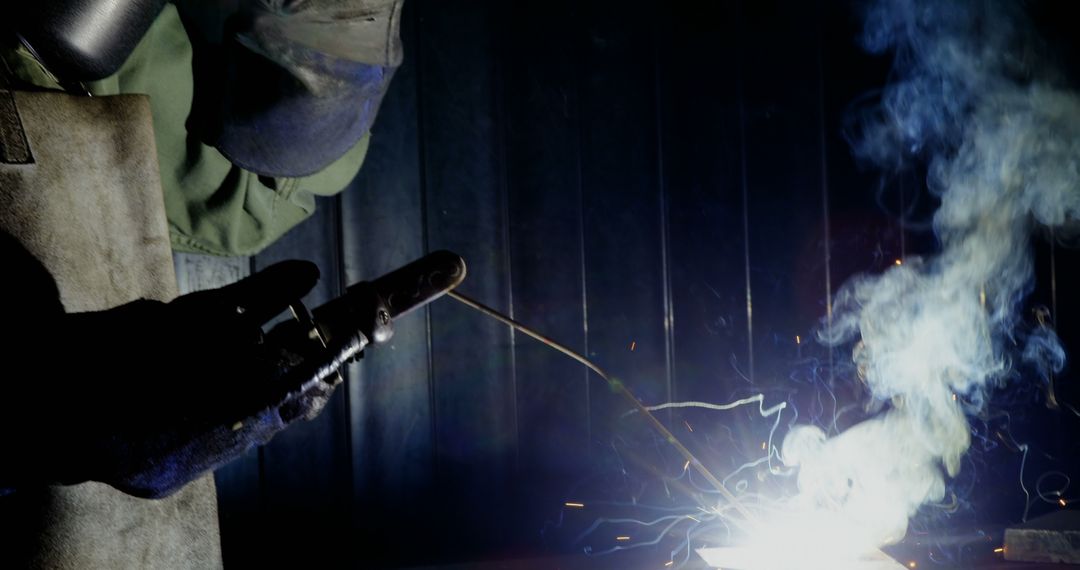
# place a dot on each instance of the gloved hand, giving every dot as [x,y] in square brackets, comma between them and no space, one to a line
[149,396]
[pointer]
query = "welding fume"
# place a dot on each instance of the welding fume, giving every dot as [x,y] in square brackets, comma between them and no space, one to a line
[975,98]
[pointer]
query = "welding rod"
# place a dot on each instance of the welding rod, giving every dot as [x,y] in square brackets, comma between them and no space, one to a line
[618,387]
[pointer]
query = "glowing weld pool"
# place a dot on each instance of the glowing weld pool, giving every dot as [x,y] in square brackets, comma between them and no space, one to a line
[779,558]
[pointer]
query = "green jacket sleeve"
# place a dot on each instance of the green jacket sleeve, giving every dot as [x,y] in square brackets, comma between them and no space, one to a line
[213,206]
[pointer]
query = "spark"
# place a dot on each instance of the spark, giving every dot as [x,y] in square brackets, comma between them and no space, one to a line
[688,425]
[999,550]
[798,339]
[669,563]
[622,538]
[1063,502]
[898,262]
[912,564]
[686,466]
[633,345]
[576,505]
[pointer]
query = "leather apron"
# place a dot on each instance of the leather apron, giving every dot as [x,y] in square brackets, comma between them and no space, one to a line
[80,190]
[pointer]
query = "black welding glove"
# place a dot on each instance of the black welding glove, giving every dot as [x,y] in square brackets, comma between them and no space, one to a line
[149,396]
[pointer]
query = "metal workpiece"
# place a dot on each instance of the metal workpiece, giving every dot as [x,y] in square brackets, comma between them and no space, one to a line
[1053,539]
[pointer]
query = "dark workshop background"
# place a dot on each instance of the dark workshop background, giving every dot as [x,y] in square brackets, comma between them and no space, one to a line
[663,186]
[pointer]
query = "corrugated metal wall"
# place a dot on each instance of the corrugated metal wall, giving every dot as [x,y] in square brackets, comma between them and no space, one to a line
[662,186]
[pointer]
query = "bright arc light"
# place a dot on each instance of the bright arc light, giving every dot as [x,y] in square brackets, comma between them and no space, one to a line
[739,558]
[816,540]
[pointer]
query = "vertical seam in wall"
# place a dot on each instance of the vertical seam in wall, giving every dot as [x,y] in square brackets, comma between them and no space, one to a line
[665,237]
[421,152]
[825,188]
[502,164]
[903,218]
[1053,278]
[577,74]
[341,285]
[744,180]
[1052,393]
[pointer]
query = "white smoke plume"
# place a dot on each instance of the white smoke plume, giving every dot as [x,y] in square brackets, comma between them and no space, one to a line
[971,95]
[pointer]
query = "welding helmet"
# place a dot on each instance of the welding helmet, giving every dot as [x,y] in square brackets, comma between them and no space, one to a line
[82,40]
[304,81]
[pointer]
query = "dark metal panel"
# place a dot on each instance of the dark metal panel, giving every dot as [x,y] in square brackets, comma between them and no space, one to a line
[700,141]
[306,468]
[783,170]
[697,77]
[472,357]
[391,418]
[621,206]
[543,173]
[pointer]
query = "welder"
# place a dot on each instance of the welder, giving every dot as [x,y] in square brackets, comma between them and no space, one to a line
[277,110]
[257,107]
